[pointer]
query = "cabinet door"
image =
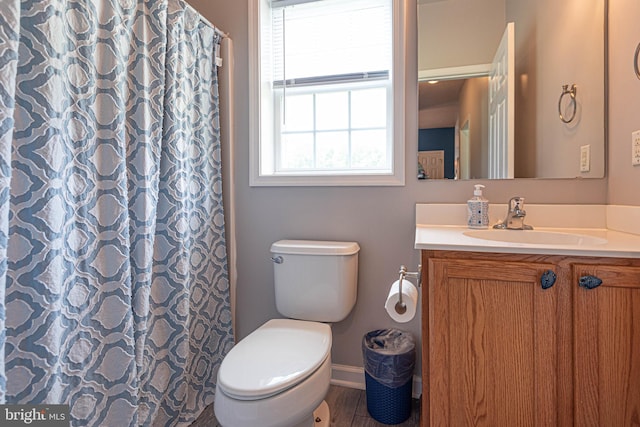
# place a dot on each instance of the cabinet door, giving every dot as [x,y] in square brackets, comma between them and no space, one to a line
[492,344]
[607,347]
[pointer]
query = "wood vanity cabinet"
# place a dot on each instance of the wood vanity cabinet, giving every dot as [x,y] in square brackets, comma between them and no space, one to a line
[499,350]
[606,323]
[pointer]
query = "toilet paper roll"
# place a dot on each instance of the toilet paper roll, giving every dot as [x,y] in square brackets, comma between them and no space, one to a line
[409,298]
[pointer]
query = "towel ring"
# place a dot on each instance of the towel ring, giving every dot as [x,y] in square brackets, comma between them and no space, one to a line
[572,93]
[635,61]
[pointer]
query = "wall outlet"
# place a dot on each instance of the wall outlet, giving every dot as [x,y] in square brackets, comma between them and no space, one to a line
[635,148]
[585,158]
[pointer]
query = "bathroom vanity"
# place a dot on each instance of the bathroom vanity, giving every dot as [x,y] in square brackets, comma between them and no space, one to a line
[539,333]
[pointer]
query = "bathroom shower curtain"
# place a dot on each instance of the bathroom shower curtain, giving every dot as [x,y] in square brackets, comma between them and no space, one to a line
[113,269]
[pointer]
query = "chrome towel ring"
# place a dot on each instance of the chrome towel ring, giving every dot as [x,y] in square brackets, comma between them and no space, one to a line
[572,93]
[635,61]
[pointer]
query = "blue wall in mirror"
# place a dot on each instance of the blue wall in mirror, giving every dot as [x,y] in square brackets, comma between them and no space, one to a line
[440,139]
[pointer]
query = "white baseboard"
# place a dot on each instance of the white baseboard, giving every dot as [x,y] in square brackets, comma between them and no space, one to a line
[353,377]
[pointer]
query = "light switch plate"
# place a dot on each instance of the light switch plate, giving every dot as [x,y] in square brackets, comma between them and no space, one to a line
[585,158]
[635,148]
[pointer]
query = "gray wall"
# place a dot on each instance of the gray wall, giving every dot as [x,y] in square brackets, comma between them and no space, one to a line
[624,102]
[380,219]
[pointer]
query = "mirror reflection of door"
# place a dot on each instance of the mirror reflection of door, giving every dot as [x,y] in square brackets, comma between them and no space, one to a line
[501,108]
[432,163]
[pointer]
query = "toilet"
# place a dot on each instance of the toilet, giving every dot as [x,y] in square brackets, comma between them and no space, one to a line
[279,374]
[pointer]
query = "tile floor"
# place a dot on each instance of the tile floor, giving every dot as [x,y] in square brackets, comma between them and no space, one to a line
[348,409]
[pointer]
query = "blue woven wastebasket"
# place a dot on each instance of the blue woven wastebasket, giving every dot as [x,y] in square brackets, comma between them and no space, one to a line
[388,405]
[389,361]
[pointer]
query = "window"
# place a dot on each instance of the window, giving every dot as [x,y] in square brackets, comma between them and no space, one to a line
[327,92]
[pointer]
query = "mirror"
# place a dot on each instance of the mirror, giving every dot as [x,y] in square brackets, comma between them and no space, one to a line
[557,124]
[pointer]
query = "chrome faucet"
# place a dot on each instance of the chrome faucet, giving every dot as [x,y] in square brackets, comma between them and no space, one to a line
[515,216]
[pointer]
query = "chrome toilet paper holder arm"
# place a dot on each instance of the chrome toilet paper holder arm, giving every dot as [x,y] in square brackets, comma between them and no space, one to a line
[400,306]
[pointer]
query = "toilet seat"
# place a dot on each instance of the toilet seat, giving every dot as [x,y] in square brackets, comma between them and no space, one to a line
[293,407]
[275,357]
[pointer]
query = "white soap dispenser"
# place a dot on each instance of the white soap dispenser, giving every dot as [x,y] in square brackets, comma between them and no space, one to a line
[478,209]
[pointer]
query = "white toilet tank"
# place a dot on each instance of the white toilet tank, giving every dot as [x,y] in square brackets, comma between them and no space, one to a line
[315,280]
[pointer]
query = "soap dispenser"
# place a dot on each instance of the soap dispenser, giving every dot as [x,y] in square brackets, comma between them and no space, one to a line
[478,209]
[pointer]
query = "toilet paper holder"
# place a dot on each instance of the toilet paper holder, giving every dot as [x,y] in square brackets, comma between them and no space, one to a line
[400,306]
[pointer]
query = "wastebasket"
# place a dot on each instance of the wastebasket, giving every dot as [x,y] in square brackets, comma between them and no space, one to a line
[389,360]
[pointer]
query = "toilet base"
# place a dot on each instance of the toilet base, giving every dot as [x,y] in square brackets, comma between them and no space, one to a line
[320,418]
[322,415]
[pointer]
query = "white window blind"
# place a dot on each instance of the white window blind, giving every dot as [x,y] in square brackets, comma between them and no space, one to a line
[331,40]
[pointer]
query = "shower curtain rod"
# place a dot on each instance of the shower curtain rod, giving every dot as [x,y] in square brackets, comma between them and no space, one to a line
[216,29]
[207,22]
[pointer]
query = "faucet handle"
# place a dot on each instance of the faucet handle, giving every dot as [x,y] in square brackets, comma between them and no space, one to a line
[516,203]
[515,216]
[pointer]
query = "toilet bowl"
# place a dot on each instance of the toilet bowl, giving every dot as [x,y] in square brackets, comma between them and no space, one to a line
[278,375]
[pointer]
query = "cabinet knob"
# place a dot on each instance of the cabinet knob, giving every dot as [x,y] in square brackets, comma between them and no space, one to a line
[548,279]
[589,282]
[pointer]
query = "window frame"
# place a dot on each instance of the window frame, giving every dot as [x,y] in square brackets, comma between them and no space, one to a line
[261,155]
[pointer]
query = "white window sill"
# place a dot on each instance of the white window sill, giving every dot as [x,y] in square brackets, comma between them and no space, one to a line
[381,180]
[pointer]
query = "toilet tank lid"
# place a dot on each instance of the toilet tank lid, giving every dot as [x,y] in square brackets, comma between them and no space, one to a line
[314,247]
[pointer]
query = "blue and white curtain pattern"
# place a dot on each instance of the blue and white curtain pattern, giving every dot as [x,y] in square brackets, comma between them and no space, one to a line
[114,290]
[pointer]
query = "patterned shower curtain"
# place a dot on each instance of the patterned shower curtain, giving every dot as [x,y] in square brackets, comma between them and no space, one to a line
[114,290]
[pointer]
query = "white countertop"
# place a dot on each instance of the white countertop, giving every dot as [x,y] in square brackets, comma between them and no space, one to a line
[433,232]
